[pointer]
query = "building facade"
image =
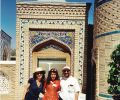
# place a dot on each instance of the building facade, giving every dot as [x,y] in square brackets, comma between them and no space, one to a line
[5,46]
[50,34]
[106,38]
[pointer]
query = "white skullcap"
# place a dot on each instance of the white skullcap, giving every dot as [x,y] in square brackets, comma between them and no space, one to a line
[66,67]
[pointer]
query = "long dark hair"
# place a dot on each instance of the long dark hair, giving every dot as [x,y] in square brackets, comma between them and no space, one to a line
[53,70]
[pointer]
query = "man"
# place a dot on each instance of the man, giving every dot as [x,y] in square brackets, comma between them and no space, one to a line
[69,86]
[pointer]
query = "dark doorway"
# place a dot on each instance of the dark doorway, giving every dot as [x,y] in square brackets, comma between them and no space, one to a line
[91,81]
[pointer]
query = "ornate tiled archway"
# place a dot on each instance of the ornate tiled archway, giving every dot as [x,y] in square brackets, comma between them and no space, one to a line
[54,52]
[74,33]
[55,42]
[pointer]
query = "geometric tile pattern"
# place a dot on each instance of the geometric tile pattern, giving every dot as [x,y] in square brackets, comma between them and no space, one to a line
[4,83]
[65,36]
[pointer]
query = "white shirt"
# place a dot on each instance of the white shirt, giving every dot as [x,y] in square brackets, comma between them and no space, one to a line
[69,86]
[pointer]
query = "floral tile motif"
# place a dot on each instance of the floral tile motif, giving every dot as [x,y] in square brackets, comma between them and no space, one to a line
[65,36]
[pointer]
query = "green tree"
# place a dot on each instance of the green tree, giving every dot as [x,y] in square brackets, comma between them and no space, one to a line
[13,52]
[114,73]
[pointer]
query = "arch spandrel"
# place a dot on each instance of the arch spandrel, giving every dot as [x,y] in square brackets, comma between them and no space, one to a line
[65,37]
[52,41]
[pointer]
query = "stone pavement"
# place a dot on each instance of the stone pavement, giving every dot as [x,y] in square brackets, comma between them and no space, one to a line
[82,96]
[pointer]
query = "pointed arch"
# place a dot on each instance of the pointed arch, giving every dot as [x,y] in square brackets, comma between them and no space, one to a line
[53,41]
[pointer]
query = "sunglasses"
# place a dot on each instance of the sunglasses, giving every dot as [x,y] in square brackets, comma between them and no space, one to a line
[66,70]
[37,73]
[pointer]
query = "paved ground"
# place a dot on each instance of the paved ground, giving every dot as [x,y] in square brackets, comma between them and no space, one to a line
[82,96]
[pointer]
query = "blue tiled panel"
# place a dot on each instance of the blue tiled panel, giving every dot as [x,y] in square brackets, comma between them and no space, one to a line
[108,33]
[64,36]
[105,95]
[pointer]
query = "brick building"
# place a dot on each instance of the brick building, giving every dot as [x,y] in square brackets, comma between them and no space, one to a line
[51,34]
[5,46]
[106,38]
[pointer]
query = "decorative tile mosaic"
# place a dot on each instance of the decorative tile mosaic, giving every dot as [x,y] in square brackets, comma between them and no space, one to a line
[66,37]
[4,83]
[52,46]
[22,42]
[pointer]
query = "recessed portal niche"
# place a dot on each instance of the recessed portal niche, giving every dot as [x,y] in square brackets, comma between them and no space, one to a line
[52,48]
[49,63]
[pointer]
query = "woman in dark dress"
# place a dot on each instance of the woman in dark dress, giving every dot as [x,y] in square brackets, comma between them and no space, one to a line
[36,85]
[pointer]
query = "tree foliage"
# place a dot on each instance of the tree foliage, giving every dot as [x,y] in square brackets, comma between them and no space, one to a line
[114,72]
[13,52]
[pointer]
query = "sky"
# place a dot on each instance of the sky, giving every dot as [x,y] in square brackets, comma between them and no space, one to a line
[8,17]
[0,14]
